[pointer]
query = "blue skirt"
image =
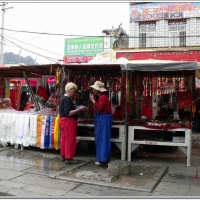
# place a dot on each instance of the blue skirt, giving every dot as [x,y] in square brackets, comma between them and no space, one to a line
[102,131]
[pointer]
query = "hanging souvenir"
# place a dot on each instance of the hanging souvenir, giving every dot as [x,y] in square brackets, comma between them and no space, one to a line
[184,99]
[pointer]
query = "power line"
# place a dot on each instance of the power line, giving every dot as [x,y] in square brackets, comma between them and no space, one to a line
[48,58]
[56,34]
[34,46]
[60,34]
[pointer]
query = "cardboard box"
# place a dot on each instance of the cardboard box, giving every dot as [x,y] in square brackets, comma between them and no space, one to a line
[178,139]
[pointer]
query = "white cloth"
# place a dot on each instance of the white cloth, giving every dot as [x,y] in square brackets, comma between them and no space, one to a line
[154,106]
[119,97]
[26,136]
[20,130]
[4,127]
[33,130]
[13,129]
[43,131]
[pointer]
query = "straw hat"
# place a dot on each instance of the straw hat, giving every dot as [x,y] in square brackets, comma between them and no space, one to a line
[98,85]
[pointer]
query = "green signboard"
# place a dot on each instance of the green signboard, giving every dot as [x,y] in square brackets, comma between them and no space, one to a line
[87,46]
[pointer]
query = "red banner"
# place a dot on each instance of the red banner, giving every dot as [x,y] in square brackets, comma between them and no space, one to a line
[186,55]
[77,59]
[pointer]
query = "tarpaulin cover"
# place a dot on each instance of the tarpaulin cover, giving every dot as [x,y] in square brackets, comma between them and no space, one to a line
[160,65]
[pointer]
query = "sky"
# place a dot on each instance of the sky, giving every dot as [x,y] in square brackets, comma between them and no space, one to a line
[63,20]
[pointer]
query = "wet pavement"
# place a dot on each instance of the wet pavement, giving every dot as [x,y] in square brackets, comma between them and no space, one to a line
[36,173]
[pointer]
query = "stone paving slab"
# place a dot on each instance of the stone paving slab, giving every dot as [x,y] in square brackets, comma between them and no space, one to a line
[46,171]
[171,189]
[142,178]
[181,179]
[95,190]
[8,174]
[5,190]
[11,184]
[13,166]
[4,148]
[77,195]
[44,190]
[9,152]
[99,176]
[194,191]
[184,171]
[20,193]
[45,181]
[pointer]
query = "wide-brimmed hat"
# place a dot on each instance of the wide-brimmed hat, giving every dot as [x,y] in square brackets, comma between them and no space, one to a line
[98,85]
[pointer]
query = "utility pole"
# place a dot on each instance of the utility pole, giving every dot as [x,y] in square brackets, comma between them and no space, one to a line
[2,29]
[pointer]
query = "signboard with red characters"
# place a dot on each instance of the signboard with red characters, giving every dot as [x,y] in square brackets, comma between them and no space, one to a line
[164,10]
[77,59]
[178,55]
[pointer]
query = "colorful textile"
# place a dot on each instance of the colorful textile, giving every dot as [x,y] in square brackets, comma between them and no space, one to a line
[52,132]
[47,131]
[68,128]
[56,133]
[102,131]
[39,130]
[6,93]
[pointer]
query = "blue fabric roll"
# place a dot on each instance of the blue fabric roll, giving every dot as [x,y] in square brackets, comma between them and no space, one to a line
[47,130]
[50,131]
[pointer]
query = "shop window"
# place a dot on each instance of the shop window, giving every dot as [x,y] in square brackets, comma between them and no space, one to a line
[177,32]
[147,34]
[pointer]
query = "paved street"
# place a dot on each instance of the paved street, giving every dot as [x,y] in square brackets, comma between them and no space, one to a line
[34,173]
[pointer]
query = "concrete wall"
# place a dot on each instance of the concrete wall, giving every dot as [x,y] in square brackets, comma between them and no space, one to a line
[192,29]
[133,35]
[162,33]
[191,32]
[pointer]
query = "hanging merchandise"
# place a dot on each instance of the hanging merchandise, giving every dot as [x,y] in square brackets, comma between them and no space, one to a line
[56,133]
[39,130]
[58,75]
[184,99]
[47,132]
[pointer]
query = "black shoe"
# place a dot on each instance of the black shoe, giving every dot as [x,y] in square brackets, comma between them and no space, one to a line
[71,161]
[63,159]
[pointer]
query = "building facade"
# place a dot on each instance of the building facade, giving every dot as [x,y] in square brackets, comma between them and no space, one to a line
[164,24]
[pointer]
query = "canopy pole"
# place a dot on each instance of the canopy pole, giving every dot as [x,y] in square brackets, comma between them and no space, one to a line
[126,113]
[31,92]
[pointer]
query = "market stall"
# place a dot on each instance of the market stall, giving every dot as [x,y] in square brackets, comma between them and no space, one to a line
[21,122]
[115,82]
[163,95]
[40,128]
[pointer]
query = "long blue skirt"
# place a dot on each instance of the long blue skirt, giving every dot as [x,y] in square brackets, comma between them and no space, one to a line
[102,131]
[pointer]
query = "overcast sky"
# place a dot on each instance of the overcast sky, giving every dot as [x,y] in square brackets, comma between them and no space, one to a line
[88,19]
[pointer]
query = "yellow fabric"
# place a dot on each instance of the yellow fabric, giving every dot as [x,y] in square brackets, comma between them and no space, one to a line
[197,73]
[39,130]
[6,93]
[56,133]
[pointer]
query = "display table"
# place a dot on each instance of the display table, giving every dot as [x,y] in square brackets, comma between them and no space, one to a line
[120,140]
[185,146]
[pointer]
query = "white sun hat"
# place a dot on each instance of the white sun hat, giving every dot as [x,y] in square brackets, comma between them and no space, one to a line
[98,85]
